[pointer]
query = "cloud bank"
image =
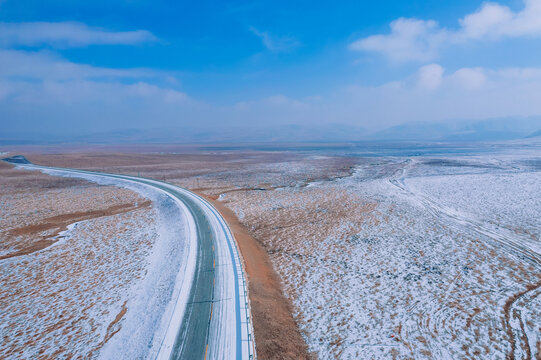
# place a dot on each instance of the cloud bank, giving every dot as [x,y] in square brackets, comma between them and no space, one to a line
[67,34]
[58,93]
[43,91]
[421,40]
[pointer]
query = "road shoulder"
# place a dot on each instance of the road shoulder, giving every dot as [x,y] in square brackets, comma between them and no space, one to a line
[277,335]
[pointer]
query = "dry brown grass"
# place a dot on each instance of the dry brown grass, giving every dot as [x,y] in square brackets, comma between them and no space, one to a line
[55,224]
[276,333]
[33,301]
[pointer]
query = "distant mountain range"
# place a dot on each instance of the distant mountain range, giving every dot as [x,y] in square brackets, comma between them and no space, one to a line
[480,130]
[452,131]
[535,134]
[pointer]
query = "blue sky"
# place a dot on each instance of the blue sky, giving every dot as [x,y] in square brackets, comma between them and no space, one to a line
[101,65]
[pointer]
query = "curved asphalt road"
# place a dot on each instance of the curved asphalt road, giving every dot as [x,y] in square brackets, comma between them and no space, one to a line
[216,321]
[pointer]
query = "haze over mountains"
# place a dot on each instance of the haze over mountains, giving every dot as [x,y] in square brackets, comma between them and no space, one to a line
[462,130]
[459,130]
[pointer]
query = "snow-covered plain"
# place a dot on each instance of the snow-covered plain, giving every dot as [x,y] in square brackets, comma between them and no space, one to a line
[152,301]
[500,200]
[112,284]
[410,257]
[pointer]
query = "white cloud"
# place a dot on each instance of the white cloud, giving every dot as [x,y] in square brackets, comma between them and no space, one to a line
[90,106]
[145,90]
[467,93]
[43,64]
[410,39]
[58,94]
[485,21]
[275,43]
[420,40]
[55,92]
[38,77]
[470,78]
[431,94]
[521,73]
[430,76]
[495,21]
[67,34]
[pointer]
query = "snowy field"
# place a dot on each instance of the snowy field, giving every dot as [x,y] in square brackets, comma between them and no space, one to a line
[423,257]
[105,287]
[500,200]
[406,256]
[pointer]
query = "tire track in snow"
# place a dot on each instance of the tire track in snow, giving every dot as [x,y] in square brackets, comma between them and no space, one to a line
[514,322]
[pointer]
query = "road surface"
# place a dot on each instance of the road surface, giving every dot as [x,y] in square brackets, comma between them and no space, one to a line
[212,318]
